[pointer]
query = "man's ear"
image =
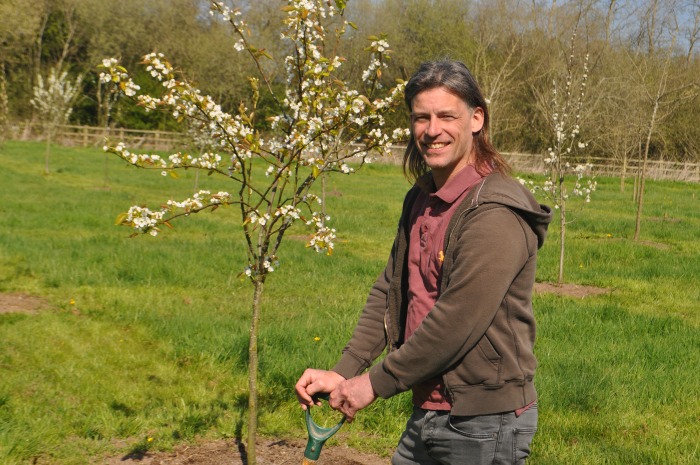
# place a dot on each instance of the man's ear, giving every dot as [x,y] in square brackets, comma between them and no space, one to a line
[477,120]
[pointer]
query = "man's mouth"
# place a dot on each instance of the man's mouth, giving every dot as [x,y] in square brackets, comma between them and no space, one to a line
[436,145]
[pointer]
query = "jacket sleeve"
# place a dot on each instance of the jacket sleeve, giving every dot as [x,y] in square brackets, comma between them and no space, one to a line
[484,259]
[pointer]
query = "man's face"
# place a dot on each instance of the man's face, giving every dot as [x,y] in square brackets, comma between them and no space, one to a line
[443,126]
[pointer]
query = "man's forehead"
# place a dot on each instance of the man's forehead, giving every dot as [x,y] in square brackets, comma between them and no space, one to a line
[444,99]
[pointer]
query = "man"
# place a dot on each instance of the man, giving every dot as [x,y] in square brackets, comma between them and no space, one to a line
[453,306]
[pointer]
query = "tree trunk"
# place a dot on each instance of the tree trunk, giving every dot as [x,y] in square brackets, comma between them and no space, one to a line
[323,196]
[640,202]
[196,181]
[623,174]
[48,150]
[608,20]
[638,173]
[253,374]
[642,178]
[562,236]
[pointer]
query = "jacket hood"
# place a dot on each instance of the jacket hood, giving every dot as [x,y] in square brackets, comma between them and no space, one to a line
[504,190]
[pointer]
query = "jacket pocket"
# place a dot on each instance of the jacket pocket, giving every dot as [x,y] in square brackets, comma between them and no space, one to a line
[481,365]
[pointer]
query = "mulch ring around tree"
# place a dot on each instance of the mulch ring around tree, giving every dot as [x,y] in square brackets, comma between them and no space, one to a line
[570,290]
[231,452]
[17,302]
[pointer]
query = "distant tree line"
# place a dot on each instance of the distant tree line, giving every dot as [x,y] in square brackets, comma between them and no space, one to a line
[643,67]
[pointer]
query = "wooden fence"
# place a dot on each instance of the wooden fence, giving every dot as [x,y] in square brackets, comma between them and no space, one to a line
[533,163]
[656,169]
[90,136]
[87,136]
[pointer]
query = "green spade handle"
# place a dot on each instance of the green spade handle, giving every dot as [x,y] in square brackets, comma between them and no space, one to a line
[318,435]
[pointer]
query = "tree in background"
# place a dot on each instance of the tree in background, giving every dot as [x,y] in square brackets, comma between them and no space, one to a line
[322,125]
[662,88]
[53,100]
[4,108]
[562,161]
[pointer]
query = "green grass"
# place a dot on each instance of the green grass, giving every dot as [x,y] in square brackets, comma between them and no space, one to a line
[147,337]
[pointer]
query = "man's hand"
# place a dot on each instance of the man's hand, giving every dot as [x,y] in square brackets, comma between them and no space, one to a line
[312,382]
[352,395]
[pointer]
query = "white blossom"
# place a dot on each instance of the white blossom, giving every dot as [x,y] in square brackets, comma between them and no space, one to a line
[318,115]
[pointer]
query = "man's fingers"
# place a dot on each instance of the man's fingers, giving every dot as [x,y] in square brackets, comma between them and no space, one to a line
[347,411]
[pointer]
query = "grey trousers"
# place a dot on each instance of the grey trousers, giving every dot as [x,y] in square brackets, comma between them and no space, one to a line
[437,438]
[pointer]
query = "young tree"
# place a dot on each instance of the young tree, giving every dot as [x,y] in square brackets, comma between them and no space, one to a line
[662,87]
[4,107]
[321,126]
[562,161]
[53,100]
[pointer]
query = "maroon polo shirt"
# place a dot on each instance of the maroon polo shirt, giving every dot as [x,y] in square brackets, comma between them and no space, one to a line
[429,219]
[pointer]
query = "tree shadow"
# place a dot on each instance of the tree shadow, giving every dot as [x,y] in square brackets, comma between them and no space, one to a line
[239,442]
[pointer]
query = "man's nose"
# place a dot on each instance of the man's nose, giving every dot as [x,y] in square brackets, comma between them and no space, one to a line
[434,128]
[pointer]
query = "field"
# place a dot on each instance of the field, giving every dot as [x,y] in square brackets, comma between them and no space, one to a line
[111,345]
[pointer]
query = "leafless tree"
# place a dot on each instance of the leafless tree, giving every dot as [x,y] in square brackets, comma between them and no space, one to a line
[661,87]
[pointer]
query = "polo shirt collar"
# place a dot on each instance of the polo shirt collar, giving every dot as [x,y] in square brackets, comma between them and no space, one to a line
[459,184]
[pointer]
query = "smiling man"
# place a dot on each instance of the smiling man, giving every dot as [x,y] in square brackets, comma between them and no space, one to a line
[453,307]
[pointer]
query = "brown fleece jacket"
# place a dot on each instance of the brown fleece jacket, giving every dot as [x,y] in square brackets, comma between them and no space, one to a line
[480,334]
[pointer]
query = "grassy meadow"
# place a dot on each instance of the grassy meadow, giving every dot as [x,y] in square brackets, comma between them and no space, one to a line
[142,342]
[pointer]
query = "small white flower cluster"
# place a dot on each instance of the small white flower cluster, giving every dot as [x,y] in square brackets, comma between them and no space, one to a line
[283,172]
[117,74]
[323,240]
[200,200]
[289,212]
[269,264]
[144,220]
[210,161]
[142,160]
[158,67]
[207,160]
[579,190]
[255,218]
[228,14]
[378,48]
[234,17]
[324,236]
[401,134]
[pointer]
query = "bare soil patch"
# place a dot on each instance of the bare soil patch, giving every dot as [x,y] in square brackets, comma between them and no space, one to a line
[570,290]
[656,245]
[15,302]
[230,452]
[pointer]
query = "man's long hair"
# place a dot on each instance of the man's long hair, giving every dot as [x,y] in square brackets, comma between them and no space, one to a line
[456,78]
